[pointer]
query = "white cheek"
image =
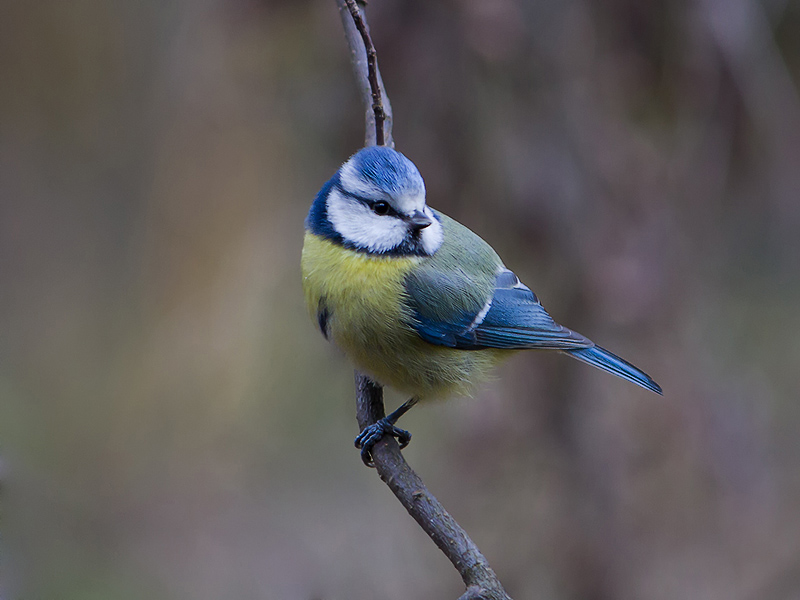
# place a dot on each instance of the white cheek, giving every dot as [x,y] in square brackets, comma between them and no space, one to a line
[359,225]
[433,235]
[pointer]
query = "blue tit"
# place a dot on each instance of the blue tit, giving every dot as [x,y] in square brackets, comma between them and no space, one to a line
[416,300]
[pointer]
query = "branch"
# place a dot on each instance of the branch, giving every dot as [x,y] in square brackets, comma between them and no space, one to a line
[427,511]
[479,578]
[365,66]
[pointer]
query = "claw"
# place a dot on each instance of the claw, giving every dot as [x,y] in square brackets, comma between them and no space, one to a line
[371,435]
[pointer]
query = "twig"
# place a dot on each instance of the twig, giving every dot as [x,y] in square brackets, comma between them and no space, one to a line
[365,66]
[479,578]
[427,511]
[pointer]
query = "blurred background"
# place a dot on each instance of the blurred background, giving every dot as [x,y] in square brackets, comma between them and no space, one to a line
[173,426]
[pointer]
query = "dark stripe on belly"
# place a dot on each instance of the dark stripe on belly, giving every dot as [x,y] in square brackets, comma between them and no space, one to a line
[323,314]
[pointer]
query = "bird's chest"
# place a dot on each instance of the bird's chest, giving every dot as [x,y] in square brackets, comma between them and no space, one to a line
[358,300]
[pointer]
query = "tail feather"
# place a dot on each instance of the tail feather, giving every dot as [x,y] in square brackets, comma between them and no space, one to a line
[605,360]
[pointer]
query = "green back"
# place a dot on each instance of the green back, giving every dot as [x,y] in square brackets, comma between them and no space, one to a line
[455,283]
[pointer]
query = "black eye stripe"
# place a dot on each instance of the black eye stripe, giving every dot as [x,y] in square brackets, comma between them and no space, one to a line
[350,194]
[369,203]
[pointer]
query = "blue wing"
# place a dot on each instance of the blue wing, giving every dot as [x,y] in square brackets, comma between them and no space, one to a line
[509,316]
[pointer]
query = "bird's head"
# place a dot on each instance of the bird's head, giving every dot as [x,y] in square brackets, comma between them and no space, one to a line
[376,204]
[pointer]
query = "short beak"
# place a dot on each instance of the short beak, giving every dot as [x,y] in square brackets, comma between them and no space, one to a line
[418,220]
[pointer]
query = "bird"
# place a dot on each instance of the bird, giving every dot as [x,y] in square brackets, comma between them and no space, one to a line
[416,300]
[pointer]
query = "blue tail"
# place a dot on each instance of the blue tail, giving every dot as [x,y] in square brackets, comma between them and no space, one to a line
[605,360]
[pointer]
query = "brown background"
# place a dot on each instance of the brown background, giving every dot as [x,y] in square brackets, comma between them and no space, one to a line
[173,427]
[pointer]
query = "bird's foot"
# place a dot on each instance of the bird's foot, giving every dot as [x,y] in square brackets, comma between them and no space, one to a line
[371,435]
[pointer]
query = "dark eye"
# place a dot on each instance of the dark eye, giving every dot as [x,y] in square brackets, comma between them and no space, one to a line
[381,208]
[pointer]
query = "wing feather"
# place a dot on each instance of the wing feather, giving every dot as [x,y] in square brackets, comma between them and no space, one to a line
[508,315]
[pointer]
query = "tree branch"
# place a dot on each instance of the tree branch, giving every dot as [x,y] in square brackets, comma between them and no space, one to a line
[427,511]
[479,578]
[368,76]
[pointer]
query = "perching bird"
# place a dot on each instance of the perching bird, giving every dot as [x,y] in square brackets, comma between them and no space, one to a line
[416,300]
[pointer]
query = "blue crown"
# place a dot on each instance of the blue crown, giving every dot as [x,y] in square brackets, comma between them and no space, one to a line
[388,170]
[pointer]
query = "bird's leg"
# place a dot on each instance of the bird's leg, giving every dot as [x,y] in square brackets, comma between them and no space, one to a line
[385,426]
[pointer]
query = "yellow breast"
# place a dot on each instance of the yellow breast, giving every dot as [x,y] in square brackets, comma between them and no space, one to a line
[362,293]
[360,300]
